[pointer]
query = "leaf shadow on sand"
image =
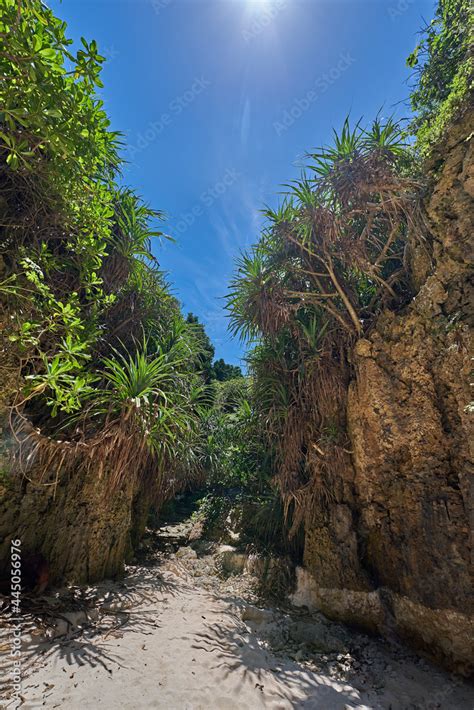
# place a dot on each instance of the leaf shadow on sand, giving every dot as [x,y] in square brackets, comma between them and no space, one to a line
[72,625]
[284,683]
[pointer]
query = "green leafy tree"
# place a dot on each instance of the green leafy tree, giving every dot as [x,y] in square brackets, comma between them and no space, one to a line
[222,371]
[98,348]
[206,348]
[443,70]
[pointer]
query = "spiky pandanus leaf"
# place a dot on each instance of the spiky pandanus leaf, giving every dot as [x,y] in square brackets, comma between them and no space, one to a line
[329,258]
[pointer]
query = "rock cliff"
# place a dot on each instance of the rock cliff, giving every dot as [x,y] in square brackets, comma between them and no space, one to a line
[393,552]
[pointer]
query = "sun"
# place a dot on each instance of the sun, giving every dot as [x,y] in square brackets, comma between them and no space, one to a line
[267,4]
[262,8]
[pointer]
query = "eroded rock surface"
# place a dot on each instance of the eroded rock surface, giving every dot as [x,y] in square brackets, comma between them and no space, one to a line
[394,551]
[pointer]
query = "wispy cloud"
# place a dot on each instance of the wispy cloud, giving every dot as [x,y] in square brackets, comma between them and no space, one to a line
[245,123]
[237,222]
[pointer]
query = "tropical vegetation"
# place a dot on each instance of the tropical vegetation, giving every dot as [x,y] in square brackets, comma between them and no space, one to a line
[443,71]
[102,372]
[332,256]
[100,369]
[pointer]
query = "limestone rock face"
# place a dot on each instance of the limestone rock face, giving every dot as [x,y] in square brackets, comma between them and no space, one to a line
[403,528]
[82,531]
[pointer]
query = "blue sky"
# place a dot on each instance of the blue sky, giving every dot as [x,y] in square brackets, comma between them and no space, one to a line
[220,99]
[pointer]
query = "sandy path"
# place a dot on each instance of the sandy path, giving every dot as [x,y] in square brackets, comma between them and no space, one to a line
[186,648]
[189,650]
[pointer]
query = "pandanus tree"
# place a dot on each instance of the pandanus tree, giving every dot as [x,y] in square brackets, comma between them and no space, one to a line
[331,256]
[129,239]
[336,244]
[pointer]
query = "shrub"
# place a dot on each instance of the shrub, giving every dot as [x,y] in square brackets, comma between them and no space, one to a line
[443,71]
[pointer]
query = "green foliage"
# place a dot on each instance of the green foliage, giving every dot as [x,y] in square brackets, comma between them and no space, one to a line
[212,509]
[330,257]
[330,252]
[258,515]
[49,105]
[136,380]
[57,163]
[267,526]
[443,70]
[98,338]
[63,381]
[231,394]
[156,392]
[222,371]
[206,348]
[211,370]
[234,452]
[99,342]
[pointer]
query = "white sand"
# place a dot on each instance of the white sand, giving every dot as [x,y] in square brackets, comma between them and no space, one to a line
[186,648]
